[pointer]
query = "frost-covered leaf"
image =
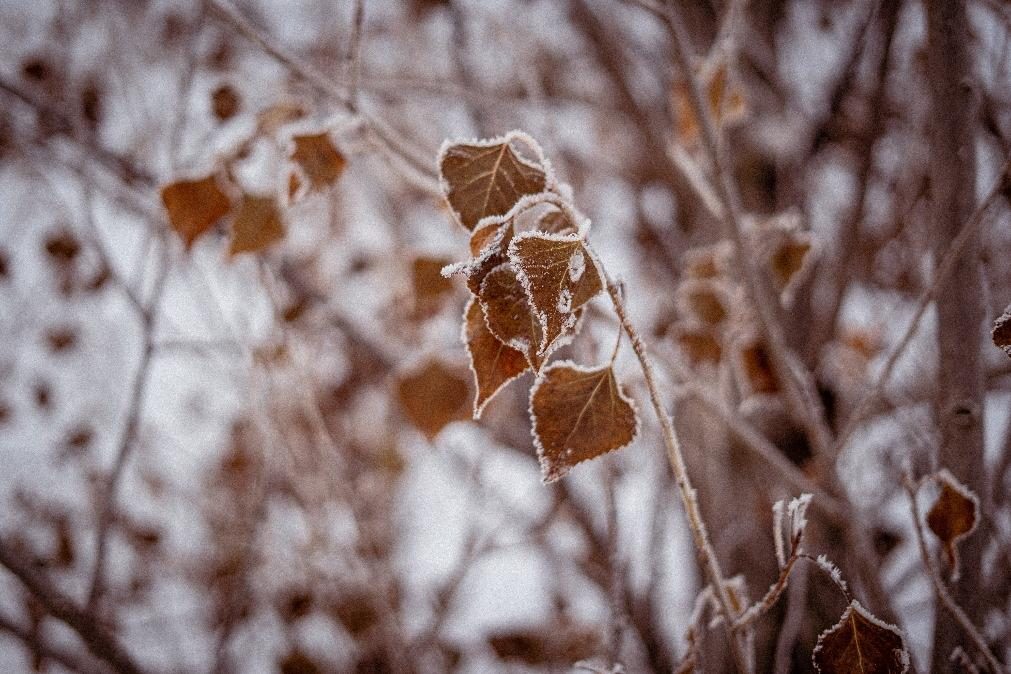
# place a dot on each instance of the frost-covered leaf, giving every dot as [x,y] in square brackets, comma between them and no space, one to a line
[489,245]
[1002,331]
[257,225]
[493,363]
[953,516]
[486,178]
[861,644]
[319,159]
[787,250]
[508,313]
[194,206]
[432,396]
[559,275]
[578,414]
[556,222]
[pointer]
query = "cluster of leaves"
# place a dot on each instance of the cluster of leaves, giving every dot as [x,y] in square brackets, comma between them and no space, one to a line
[530,274]
[195,206]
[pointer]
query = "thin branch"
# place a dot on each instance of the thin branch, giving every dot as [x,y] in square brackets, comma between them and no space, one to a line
[75,662]
[944,269]
[941,590]
[99,641]
[700,534]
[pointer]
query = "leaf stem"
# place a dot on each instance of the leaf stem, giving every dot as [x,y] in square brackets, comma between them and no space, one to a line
[700,534]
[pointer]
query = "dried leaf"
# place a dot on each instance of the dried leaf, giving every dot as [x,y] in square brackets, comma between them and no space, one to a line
[559,275]
[493,363]
[1002,331]
[788,259]
[428,284]
[953,516]
[488,245]
[257,225]
[508,313]
[225,102]
[486,178]
[861,644]
[320,160]
[556,222]
[194,206]
[433,396]
[755,367]
[699,344]
[705,301]
[578,414]
[274,117]
[724,98]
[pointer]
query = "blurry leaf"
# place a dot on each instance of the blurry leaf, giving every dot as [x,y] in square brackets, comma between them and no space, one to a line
[274,117]
[705,301]
[433,396]
[756,368]
[257,225]
[559,275]
[708,262]
[578,414]
[62,246]
[6,411]
[294,186]
[428,283]
[294,604]
[224,102]
[5,265]
[319,159]
[508,313]
[788,259]
[297,662]
[547,645]
[493,363]
[486,178]
[724,98]
[953,516]
[36,69]
[60,339]
[194,206]
[699,345]
[861,644]
[356,611]
[1002,331]
[91,103]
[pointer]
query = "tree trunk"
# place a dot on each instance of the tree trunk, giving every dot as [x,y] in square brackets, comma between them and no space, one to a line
[959,396]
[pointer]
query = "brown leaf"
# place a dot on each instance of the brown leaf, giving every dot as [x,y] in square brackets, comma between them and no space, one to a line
[257,225]
[953,516]
[578,414]
[788,259]
[705,301]
[429,285]
[508,313]
[861,644]
[433,396]
[486,178]
[194,206]
[1002,331]
[755,367]
[274,117]
[699,344]
[724,98]
[224,102]
[559,275]
[488,246]
[493,363]
[320,160]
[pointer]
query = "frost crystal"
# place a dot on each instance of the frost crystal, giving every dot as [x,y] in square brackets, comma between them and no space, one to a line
[577,265]
[564,301]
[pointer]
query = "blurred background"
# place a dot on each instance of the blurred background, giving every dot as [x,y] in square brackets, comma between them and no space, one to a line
[236,452]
